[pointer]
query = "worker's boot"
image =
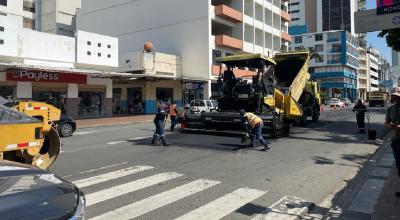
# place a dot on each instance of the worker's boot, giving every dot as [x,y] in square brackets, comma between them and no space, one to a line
[265,148]
[164,141]
[156,137]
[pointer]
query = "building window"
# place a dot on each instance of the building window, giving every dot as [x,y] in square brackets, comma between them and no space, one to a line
[29,23]
[99,44]
[109,55]
[99,54]
[1,41]
[319,59]
[29,6]
[89,43]
[319,48]
[215,55]
[1,29]
[294,11]
[89,53]
[295,19]
[319,37]
[3,14]
[298,39]
[298,48]
[294,3]
[109,46]
[3,2]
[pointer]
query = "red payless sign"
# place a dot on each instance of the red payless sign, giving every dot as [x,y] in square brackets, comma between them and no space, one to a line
[43,76]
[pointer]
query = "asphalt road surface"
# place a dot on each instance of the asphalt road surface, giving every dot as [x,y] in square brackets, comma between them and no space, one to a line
[202,177]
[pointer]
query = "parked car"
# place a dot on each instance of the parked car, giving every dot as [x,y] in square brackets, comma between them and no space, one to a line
[199,106]
[66,126]
[335,102]
[346,101]
[27,192]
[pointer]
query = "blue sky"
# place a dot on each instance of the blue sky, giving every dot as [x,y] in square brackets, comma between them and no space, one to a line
[376,41]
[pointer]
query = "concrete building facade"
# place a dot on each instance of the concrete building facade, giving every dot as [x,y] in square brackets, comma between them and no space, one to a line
[373,67]
[197,31]
[336,67]
[69,72]
[363,86]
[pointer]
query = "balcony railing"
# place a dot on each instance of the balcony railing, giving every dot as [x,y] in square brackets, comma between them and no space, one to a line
[285,16]
[228,13]
[227,41]
[286,37]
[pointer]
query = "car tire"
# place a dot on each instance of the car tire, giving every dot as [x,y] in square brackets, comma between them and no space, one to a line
[66,130]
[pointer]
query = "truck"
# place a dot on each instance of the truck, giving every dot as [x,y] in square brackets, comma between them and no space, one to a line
[378,98]
[27,134]
[274,94]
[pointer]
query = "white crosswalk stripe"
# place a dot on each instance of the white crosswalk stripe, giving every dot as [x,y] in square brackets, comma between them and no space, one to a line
[119,190]
[157,201]
[223,206]
[110,176]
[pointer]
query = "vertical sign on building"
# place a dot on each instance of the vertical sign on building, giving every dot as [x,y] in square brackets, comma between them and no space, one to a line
[387,6]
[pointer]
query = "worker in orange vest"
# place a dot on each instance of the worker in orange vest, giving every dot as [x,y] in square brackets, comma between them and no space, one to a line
[256,125]
[173,112]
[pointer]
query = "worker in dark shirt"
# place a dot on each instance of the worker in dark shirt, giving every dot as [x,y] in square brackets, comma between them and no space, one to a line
[360,110]
[228,75]
[159,122]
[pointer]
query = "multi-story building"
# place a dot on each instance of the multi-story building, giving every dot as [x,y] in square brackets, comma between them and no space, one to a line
[363,75]
[373,67]
[396,67]
[322,15]
[197,31]
[337,61]
[51,16]
[67,71]
[385,82]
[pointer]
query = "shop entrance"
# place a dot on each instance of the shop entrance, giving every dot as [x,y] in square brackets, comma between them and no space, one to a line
[92,103]
[117,102]
[193,91]
[164,95]
[135,102]
[8,92]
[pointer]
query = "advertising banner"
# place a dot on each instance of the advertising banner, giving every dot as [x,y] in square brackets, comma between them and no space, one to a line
[387,6]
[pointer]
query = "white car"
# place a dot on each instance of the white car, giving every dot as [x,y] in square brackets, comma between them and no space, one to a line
[346,101]
[336,102]
[199,106]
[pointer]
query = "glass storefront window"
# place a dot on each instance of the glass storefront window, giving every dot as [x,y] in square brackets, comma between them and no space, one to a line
[8,92]
[135,104]
[91,103]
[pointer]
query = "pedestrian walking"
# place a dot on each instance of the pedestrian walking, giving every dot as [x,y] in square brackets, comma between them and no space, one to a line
[159,122]
[173,114]
[393,122]
[360,110]
[256,125]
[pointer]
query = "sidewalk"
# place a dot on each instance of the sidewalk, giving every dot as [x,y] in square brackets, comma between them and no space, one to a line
[388,206]
[118,120]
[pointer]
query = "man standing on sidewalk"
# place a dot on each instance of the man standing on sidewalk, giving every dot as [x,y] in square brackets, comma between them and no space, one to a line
[393,122]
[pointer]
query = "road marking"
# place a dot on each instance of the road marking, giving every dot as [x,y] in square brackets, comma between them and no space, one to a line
[85,132]
[287,208]
[130,139]
[110,176]
[102,168]
[223,206]
[157,201]
[116,142]
[126,188]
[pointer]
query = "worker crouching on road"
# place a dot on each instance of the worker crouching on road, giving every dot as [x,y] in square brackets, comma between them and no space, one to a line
[173,114]
[393,122]
[360,110]
[159,121]
[256,125]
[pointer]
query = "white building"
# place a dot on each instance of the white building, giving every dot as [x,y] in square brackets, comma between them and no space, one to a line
[396,67]
[322,15]
[336,67]
[196,30]
[373,67]
[68,71]
[363,86]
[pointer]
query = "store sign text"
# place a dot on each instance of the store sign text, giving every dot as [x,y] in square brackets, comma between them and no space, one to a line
[42,76]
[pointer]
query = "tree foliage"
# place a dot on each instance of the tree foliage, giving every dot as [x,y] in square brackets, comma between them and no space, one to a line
[392,38]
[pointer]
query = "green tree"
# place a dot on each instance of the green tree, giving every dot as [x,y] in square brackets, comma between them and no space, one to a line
[392,38]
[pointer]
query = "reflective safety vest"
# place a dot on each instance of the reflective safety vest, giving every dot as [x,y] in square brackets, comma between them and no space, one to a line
[253,119]
[172,110]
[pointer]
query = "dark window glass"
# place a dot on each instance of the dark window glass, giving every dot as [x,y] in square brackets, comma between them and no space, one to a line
[89,43]
[28,23]
[109,46]
[29,6]
[1,41]
[1,29]
[319,37]
[99,54]
[3,2]
[99,44]
[89,53]
[295,19]
[298,39]
[109,55]
[294,11]
[325,15]
[295,3]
